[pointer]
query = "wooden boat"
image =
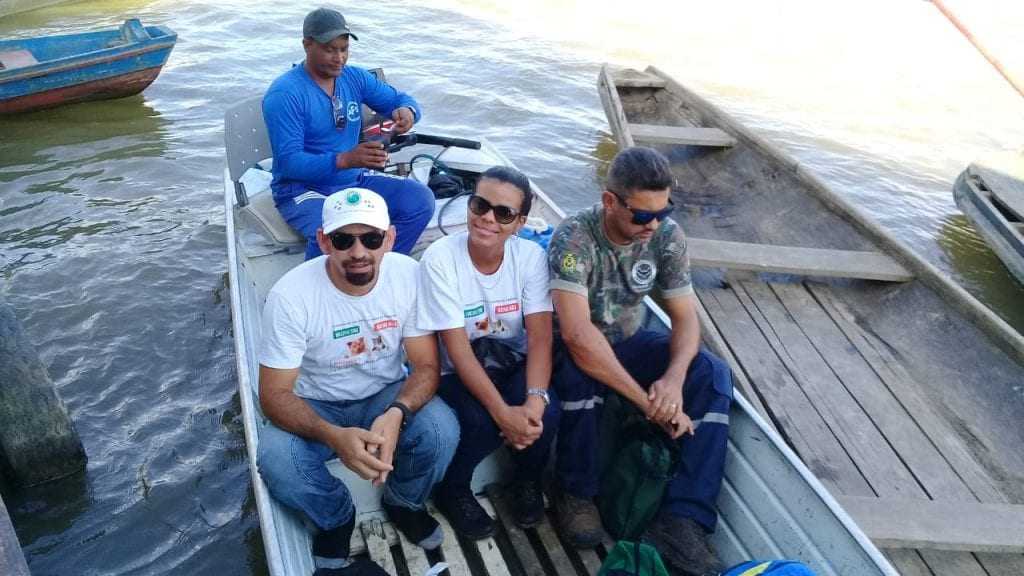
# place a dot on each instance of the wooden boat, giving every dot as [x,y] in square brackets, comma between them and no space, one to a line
[892,384]
[991,195]
[770,505]
[49,71]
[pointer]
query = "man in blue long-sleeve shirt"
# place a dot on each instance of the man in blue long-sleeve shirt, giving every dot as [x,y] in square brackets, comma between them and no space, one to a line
[313,114]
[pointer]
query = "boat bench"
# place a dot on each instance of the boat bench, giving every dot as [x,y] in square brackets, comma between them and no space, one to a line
[795,260]
[12,59]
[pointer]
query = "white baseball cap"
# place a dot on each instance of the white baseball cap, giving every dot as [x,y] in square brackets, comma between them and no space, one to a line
[355,206]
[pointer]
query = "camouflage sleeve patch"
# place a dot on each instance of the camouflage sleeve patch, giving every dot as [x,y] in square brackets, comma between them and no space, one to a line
[674,266]
[568,258]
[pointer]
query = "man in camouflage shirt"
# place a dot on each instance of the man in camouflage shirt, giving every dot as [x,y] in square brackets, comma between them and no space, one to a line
[603,261]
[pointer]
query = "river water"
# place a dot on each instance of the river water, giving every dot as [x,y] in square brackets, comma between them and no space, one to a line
[112,246]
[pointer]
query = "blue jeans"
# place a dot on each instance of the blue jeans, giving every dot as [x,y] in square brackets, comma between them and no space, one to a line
[295,472]
[707,395]
[481,436]
[410,205]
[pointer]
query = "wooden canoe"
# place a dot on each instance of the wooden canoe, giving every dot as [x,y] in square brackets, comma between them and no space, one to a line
[991,195]
[771,505]
[48,71]
[891,382]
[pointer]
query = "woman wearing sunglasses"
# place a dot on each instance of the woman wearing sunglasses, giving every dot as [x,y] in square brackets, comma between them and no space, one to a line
[485,291]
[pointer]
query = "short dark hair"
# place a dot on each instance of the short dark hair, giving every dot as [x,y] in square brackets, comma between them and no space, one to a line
[510,175]
[639,168]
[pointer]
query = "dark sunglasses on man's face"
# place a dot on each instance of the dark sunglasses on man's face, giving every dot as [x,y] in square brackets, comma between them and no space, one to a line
[370,240]
[340,120]
[503,214]
[644,217]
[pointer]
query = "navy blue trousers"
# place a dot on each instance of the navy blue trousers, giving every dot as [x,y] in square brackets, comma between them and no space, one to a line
[410,205]
[480,435]
[707,395]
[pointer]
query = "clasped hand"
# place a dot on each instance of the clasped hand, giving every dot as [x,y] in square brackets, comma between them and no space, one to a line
[521,426]
[665,408]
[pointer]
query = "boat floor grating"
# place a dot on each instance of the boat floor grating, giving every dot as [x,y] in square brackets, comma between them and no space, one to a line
[512,551]
[845,403]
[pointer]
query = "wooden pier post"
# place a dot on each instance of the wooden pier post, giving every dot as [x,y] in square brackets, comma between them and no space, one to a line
[38,442]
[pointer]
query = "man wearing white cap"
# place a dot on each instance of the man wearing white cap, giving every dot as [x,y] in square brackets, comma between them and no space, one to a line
[333,384]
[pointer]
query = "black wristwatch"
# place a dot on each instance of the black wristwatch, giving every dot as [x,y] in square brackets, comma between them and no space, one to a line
[406,413]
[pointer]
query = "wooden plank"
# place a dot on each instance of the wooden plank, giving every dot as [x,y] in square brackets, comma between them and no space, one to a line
[903,387]
[976,482]
[866,446]
[1004,177]
[629,78]
[488,548]
[795,260]
[682,135]
[554,549]
[591,561]
[450,547]
[795,416]
[964,526]
[613,108]
[908,562]
[898,427]
[415,558]
[377,544]
[520,543]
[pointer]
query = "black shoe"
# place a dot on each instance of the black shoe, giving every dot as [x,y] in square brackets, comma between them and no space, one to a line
[465,514]
[683,545]
[527,503]
[359,567]
[417,525]
[332,546]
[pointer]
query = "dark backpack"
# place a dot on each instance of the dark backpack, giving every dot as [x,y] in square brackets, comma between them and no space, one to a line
[632,559]
[769,568]
[638,460]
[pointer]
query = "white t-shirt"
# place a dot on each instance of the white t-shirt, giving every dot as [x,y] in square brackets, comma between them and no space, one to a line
[454,293]
[346,347]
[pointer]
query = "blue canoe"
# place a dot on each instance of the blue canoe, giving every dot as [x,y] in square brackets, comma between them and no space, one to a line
[50,71]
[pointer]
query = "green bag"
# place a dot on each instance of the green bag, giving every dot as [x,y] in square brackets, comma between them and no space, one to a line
[632,559]
[637,461]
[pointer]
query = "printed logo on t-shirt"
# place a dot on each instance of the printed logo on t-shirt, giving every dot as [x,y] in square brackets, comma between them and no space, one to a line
[367,342]
[643,273]
[385,325]
[340,333]
[353,111]
[506,308]
[471,312]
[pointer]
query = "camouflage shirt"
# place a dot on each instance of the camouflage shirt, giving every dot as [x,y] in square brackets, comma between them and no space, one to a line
[615,278]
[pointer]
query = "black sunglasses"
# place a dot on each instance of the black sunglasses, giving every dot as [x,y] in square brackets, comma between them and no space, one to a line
[644,217]
[370,240]
[503,214]
[340,120]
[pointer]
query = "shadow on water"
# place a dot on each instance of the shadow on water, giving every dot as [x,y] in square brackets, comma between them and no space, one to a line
[50,508]
[980,270]
[46,139]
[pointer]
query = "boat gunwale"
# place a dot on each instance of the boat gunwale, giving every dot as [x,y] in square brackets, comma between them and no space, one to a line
[994,233]
[264,507]
[92,57]
[1008,340]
